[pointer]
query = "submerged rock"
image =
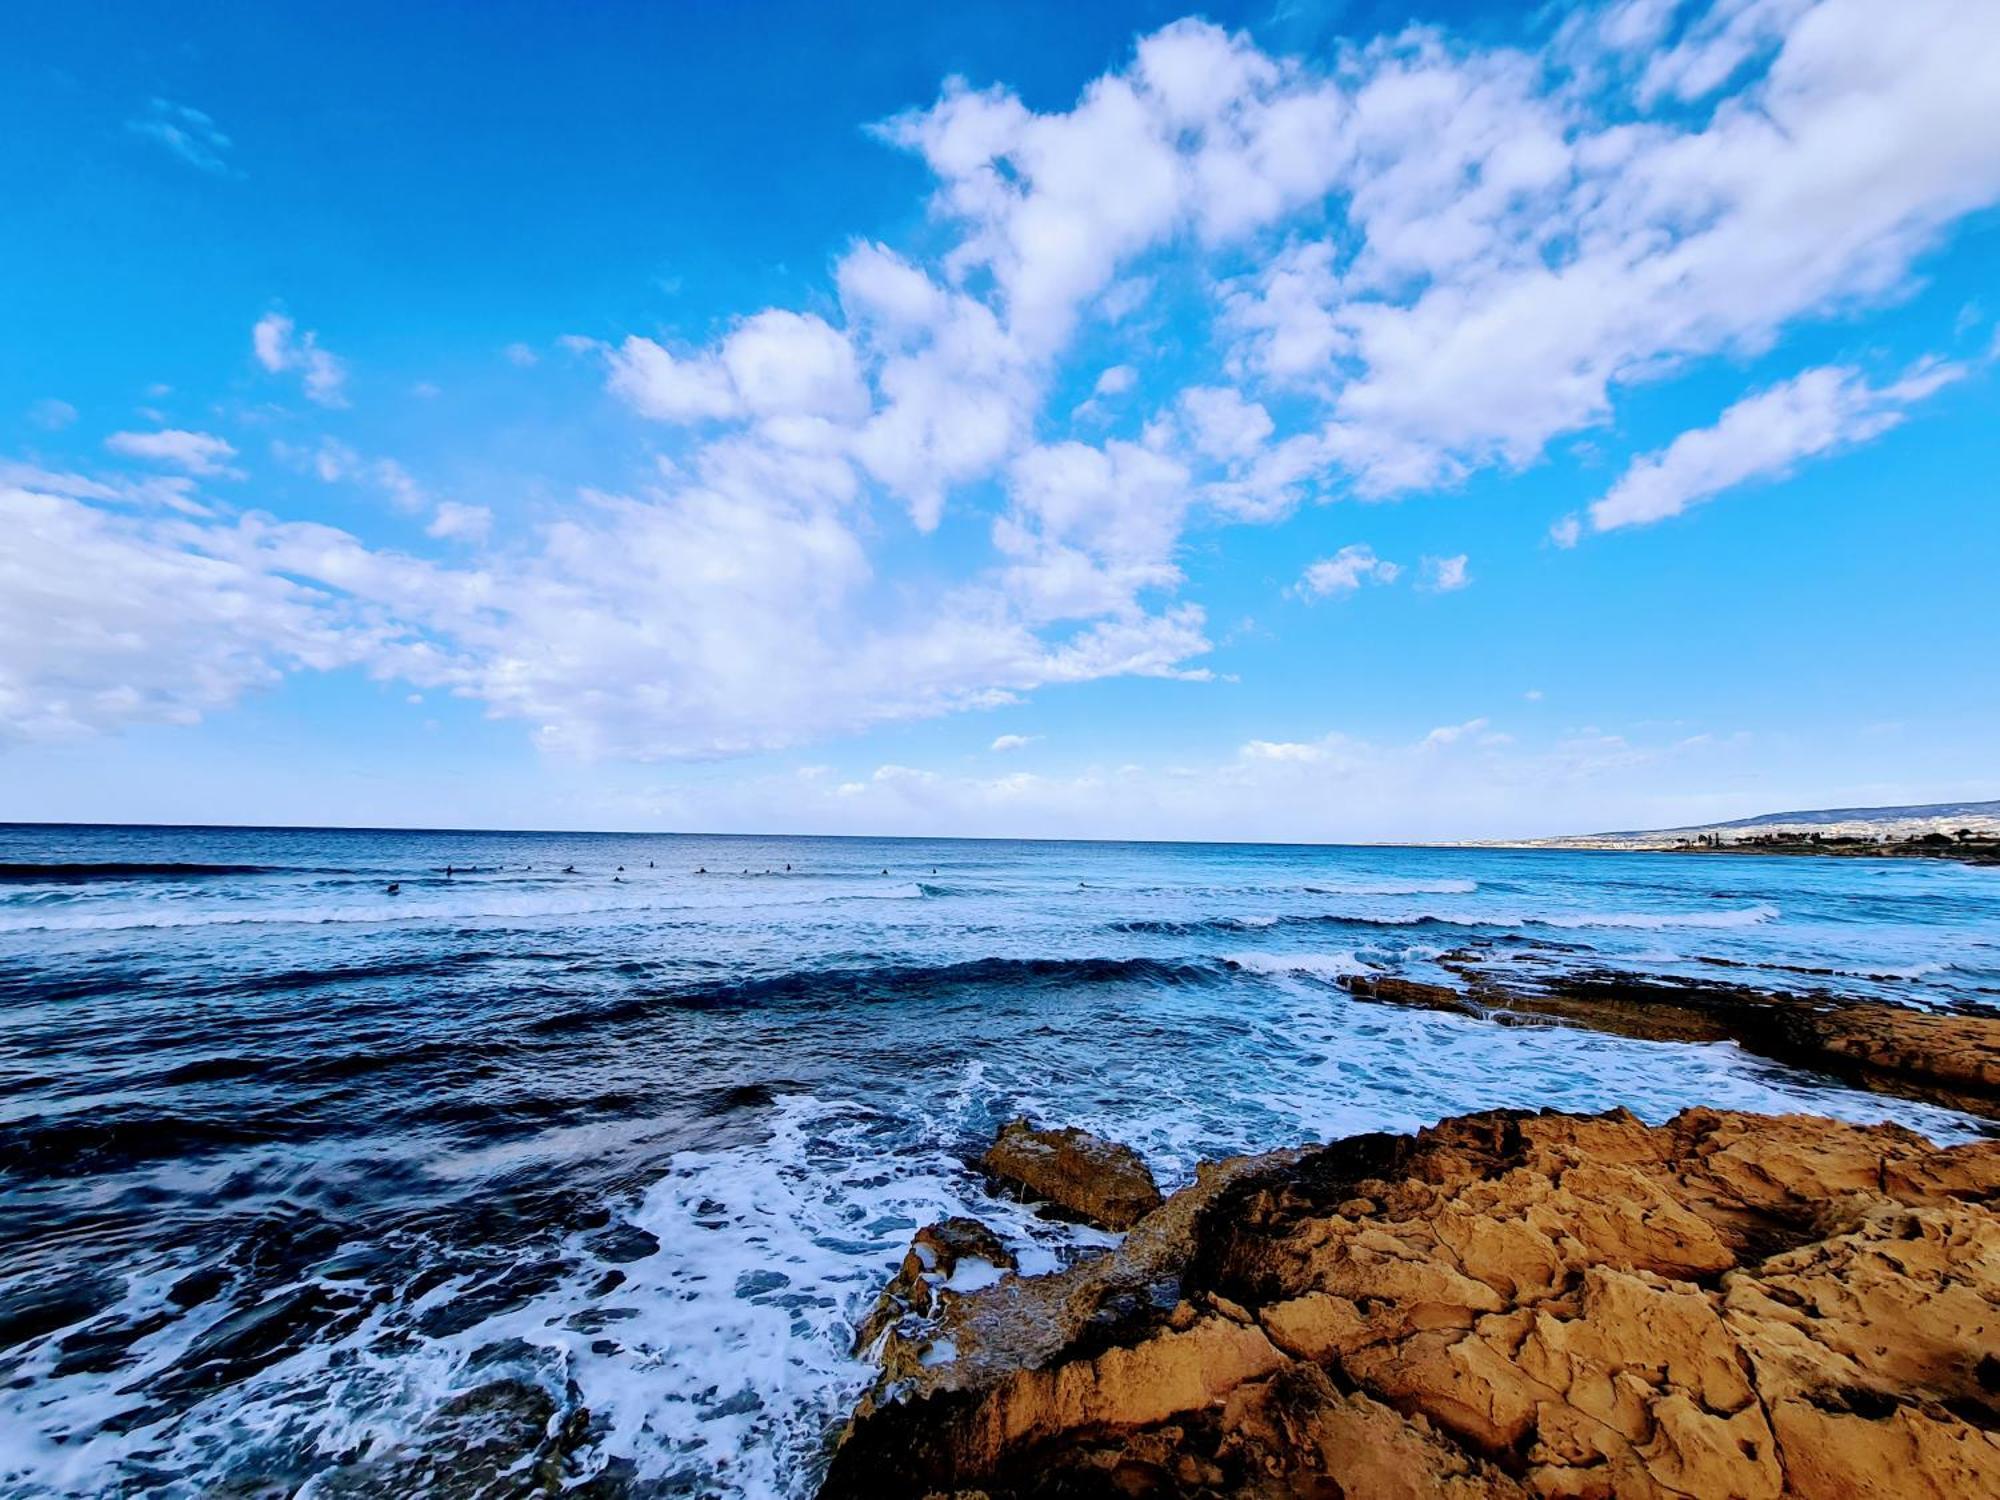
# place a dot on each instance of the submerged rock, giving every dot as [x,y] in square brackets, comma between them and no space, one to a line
[1506,1304]
[508,1437]
[1095,1179]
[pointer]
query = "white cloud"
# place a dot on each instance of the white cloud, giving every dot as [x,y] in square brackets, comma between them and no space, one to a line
[187,132]
[334,462]
[51,415]
[1761,437]
[1526,247]
[1284,750]
[1451,734]
[1222,424]
[1444,575]
[281,348]
[1335,788]
[521,355]
[456,521]
[1423,256]
[109,619]
[1091,528]
[1344,572]
[200,453]
[1006,742]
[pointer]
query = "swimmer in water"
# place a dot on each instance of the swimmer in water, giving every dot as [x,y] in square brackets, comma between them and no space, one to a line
[569,869]
[395,887]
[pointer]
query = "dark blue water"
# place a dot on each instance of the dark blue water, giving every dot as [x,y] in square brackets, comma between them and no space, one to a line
[290,1160]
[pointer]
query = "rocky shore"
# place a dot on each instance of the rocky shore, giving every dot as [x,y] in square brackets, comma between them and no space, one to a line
[1945,1057]
[1506,1304]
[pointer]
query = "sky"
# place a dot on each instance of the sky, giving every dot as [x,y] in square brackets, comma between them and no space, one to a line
[1310,421]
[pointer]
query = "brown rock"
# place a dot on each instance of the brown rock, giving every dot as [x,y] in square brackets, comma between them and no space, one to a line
[933,1256]
[1095,1179]
[1949,1058]
[1504,1304]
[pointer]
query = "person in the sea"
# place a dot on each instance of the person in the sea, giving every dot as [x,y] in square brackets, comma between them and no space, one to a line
[702,871]
[395,887]
[569,869]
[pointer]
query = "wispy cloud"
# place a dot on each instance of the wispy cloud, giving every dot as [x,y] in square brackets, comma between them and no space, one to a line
[185,131]
[1763,436]
[280,347]
[201,453]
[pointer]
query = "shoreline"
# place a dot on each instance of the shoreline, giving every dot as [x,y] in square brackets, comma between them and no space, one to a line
[1505,1304]
[1502,1305]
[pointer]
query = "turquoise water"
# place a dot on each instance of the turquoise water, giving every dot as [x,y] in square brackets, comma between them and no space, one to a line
[290,1159]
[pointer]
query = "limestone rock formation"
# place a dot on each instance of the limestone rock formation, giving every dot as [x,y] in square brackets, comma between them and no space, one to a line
[1506,1304]
[1952,1058]
[928,1268]
[1098,1180]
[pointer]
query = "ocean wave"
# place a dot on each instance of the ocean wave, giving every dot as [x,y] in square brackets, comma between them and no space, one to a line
[1747,916]
[417,907]
[1317,965]
[83,874]
[833,988]
[1397,888]
[908,891]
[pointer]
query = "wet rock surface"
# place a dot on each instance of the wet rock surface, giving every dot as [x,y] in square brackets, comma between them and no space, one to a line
[928,1269]
[1099,1181]
[1505,1304]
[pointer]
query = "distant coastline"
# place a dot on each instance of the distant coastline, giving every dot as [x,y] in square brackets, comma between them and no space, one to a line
[1967,832]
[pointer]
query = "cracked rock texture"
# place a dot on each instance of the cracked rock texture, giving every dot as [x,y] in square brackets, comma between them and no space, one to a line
[1507,1304]
[1100,1181]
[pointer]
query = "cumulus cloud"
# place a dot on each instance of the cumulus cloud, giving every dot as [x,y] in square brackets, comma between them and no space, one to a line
[51,415]
[192,452]
[1422,256]
[1006,742]
[1345,572]
[281,348]
[1762,437]
[1526,247]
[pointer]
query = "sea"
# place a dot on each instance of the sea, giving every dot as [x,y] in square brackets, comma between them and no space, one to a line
[307,1133]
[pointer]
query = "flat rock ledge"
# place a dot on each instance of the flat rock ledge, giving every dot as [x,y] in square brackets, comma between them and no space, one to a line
[1098,1181]
[1506,1304]
[1944,1057]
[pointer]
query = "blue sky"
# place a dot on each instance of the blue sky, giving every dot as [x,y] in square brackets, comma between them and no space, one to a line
[1312,422]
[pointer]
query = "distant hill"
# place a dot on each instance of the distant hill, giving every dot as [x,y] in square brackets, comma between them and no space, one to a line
[1830,823]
